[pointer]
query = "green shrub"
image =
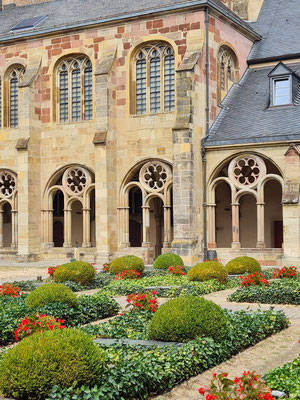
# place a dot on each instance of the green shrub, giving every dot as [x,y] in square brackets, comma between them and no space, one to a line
[126,263]
[51,293]
[59,357]
[208,270]
[76,271]
[241,265]
[186,318]
[164,261]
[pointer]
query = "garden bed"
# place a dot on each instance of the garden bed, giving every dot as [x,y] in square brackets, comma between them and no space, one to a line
[279,291]
[91,308]
[286,379]
[136,372]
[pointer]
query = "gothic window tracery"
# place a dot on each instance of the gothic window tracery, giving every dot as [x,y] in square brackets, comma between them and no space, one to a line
[154,79]
[75,89]
[227,70]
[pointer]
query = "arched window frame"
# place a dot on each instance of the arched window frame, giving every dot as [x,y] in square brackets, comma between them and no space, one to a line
[74,89]
[153,72]
[227,71]
[9,97]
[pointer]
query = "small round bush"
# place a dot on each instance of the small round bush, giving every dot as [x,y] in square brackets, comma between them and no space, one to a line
[241,265]
[76,271]
[51,293]
[164,261]
[121,264]
[208,270]
[186,318]
[59,357]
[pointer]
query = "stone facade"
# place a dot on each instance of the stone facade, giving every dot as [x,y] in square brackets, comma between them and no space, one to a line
[113,147]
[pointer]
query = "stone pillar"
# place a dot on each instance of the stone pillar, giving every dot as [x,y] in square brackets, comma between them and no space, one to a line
[67,227]
[260,226]
[14,229]
[184,210]
[211,226]
[146,226]
[235,227]
[1,228]
[86,223]
[167,227]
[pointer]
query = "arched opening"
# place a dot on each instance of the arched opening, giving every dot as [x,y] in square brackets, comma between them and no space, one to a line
[223,215]
[273,214]
[58,219]
[76,224]
[248,221]
[135,217]
[156,225]
[7,225]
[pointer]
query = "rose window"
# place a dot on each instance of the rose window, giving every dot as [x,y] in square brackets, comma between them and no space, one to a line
[75,180]
[7,184]
[246,171]
[154,176]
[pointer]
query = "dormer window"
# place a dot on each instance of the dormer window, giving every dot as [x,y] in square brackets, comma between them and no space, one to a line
[283,85]
[282,93]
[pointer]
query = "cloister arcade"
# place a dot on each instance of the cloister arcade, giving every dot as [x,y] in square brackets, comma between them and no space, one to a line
[8,210]
[244,206]
[145,210]
[68,216]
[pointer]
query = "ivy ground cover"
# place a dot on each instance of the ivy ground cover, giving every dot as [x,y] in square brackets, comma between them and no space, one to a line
[279,291]
[134,372]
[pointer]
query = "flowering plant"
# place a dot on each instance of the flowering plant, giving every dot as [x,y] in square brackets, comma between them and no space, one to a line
[176,270]
[105,267]
[9,290]
[37,324]
[285,272]
[145,301]
[255,279]
[51,270]
[128,274]
[249,386]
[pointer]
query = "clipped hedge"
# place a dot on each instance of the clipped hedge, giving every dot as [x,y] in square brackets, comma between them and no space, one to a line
[76,271]
[51,293]
[164,261]
[126,263]
[208,270]
[286,379]
[59,357]
[186,318]
[241,265]
[280,291]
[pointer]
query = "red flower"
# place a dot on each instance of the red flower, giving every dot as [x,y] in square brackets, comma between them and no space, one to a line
[200,390]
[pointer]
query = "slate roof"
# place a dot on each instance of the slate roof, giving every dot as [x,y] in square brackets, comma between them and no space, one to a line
[247,118]
[73,13]
[278,23]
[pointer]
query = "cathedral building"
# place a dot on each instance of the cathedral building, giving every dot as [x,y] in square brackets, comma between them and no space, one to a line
[149,126]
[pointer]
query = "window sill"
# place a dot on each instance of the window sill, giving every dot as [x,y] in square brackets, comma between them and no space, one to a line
[152,114]
[274,107]
[88,121]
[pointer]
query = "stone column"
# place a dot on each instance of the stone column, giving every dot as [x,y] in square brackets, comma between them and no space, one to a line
[211,226]
[67,227]
[235,227]
[1,228]
[86,227]
[14,229]
[260,226]
[167,227]
[146,226]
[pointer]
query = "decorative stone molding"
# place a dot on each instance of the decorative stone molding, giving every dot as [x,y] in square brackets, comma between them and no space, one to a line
[75,180]
[100,138]
[8,184]
[22,143]
[246,171]
[154,176]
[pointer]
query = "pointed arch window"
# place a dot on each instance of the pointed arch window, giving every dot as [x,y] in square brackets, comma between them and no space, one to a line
[75,89]
[227,71]
[154,71]
[9,92]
